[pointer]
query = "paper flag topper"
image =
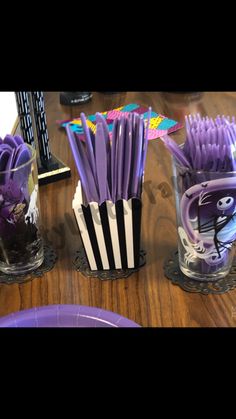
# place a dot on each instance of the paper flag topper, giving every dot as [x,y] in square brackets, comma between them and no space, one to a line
[159,124]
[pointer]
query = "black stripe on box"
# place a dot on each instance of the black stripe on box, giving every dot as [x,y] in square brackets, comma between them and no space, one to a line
[80,235]
[136,216]
[92,235]
[121,233]
[107,234]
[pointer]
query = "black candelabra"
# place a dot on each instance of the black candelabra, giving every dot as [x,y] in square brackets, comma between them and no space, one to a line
[33,123]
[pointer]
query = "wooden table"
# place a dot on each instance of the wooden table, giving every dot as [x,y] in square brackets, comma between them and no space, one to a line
[146,297]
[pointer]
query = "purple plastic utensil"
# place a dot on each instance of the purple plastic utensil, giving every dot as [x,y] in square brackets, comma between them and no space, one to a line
[10,140]
[85,166]
[145,141]
[5,147]
[89,146]
[113,159]
[92,136]
[4,159]
[118,169]
[19,139]
[101,162]
[22,156]
[9,165]
[127,159]
[65,316]
[120,156]
[176,150]
[137,158]
[218,138]
[100,118]
[78,162]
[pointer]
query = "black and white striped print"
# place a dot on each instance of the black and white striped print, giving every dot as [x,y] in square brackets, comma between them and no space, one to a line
[110,232]
[41,125]
[23,107]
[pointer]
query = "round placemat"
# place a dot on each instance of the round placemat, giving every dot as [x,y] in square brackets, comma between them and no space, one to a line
[81,264]
[50,258]
[176,276]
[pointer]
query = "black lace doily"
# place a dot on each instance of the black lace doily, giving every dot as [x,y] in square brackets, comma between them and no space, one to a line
[176,276]
[50,258]
[81,264]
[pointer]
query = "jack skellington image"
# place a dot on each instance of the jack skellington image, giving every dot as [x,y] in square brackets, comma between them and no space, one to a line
[208,215]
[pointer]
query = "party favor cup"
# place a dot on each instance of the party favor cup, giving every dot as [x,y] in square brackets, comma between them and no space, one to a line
[110,232]
[206,221]
[21,247]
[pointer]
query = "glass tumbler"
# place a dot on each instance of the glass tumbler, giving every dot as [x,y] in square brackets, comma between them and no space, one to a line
[206,221]
[21,246]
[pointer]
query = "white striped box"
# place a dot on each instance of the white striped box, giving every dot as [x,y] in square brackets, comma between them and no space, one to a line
[110,232]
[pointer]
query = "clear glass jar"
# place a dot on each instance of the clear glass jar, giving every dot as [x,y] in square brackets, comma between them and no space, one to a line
[178,104]
[206,221]
[21,246]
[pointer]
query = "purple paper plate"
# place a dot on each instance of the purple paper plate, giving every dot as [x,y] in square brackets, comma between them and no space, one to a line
[65,316]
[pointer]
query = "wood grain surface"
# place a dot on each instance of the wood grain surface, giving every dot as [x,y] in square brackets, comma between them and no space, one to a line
[146,297]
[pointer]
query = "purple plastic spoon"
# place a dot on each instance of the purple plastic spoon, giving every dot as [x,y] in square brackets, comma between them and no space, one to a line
[22,156]
[5,147]
[9,165]
[19,139]
[4,159]
[5,156]
[9,139]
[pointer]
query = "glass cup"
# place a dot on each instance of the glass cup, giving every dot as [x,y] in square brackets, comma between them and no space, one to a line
[21,246]
[178,104]
[206,221]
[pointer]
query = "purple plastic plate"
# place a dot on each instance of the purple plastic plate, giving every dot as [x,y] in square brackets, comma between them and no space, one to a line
[65,316]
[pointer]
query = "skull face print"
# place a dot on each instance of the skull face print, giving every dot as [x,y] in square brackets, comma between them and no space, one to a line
[225,203]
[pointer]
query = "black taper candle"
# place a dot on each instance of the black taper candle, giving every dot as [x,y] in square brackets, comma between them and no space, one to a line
[23,107]
[41,126]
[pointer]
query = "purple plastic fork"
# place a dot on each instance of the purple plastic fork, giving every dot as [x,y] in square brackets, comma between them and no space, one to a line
[176,150]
